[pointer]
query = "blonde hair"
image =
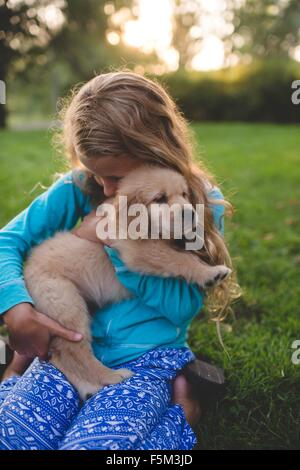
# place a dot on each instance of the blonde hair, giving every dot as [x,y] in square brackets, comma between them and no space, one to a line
[124,113]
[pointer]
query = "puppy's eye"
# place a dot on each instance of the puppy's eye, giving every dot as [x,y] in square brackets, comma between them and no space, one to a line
[185,195]
[162,199]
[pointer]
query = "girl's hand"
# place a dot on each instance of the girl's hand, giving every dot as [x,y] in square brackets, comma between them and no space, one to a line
[30,331]
[87,229]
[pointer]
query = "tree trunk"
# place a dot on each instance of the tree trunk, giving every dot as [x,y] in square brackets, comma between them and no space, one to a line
[3,115]
[3,75]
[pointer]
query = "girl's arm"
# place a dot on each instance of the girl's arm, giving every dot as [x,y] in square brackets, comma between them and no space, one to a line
[173,297]
[59,208]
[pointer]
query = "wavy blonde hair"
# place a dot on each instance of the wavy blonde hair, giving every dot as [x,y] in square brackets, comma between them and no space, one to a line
[124,113]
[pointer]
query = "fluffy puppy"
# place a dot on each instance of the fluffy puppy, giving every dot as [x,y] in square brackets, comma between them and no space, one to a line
[65,273]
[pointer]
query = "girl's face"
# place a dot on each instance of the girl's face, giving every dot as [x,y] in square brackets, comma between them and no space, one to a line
[108,171]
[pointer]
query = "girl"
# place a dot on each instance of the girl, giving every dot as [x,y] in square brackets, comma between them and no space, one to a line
[114,123]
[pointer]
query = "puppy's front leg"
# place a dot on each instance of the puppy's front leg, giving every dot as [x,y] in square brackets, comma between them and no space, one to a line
[157,257]
[58,298]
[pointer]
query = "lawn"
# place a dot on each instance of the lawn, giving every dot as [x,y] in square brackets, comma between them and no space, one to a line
[258,167]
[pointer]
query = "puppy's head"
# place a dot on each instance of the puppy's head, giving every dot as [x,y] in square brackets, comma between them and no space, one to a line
[156,190]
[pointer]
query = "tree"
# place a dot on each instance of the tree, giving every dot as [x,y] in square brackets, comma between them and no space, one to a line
[72,50]
[266,28]
[24,27]
[186,19]
[82,42]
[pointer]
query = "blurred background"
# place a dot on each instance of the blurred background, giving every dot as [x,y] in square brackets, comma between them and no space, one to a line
[230,65]
[221,59]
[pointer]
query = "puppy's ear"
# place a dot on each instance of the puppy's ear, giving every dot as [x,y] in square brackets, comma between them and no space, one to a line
[134,197]
[122,202]
[126,199]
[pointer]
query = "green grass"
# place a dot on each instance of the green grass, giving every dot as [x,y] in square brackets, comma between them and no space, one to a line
[258,167]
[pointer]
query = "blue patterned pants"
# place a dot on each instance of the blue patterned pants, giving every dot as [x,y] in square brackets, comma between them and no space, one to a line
[42,410]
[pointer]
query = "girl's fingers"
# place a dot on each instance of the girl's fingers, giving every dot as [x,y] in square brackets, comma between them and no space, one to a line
[87,229]
[56,329]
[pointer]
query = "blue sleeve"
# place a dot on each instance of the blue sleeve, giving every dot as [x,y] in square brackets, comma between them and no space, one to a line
[218,210]
[173,297]
[59,208]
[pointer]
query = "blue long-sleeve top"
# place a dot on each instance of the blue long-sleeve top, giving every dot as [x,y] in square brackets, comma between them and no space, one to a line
[157,315]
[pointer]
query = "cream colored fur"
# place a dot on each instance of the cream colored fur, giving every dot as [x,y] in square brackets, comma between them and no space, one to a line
[66,273]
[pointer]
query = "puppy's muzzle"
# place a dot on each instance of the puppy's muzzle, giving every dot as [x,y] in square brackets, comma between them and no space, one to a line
[189,220]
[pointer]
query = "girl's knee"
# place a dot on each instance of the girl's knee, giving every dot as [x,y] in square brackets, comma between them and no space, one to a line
[39,409]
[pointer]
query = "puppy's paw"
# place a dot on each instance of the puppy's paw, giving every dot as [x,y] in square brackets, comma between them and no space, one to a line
[125,373]
[218,274]
[115,376]
[86,390]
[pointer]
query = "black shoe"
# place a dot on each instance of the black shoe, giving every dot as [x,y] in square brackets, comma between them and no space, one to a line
[207,383]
